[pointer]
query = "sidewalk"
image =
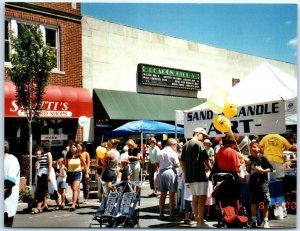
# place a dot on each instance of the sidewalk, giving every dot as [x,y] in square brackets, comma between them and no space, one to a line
[149,213]
[22,205]
[148,216]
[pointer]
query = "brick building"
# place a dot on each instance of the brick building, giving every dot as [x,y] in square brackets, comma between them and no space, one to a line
[65,99]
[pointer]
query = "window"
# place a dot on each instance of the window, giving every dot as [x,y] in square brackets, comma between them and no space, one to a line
[7,42]
[50,35]
[51,40]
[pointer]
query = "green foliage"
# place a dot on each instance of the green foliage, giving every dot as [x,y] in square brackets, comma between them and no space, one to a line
[25,195]
[32,61]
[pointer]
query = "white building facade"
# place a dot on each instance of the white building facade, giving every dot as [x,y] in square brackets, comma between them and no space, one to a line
[112,52]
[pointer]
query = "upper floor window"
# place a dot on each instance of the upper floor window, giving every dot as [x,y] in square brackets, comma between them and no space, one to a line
[7,42]
[50,35]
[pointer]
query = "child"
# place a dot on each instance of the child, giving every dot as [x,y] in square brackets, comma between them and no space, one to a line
[61,182]
[258,167]
[125,169]
[188,204]
[126,172]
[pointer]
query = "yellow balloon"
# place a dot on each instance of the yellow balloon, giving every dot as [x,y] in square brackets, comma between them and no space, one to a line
[216,104]
[221,123]
[101,151]
[230,109]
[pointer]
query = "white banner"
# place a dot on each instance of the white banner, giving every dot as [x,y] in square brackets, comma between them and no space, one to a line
[258,119]
[179,117]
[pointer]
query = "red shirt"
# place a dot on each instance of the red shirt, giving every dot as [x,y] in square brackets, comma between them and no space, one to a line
[228,159]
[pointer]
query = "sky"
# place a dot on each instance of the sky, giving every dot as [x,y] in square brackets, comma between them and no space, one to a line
[264,30]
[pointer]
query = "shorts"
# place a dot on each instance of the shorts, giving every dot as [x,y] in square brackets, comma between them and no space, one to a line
[167,180]
[109,175]
[73,176]
[62,184]
[279,169]
[199,188]
[257,197]
[188,206]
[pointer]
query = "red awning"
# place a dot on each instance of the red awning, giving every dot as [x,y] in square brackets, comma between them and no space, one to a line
[59,102]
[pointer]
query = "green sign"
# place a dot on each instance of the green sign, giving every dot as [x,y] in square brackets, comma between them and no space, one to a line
[168,77]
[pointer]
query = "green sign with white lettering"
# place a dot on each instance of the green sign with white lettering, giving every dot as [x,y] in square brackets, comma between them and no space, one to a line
[168,77]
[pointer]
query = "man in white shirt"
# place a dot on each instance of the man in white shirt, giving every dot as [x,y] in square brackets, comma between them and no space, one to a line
[11,186]
[167,160]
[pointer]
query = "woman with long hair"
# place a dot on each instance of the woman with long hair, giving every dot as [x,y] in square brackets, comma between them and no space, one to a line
[134,156]
[109,172]
[43,153]
[85,181]
[74,163]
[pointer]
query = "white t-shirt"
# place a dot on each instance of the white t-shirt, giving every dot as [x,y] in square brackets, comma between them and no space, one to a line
[187,193]
[12,173]
[167,158]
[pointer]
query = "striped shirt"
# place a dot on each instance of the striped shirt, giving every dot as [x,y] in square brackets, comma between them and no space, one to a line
[44,161]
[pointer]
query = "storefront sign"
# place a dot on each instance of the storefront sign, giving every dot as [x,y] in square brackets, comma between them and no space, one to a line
[168,77]
[50,109]
[258,119]
[58,102]
[54,137]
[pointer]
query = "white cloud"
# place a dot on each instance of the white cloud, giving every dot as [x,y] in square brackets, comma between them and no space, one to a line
[292,43]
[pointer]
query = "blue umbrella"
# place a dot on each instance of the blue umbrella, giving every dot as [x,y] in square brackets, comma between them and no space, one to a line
[147,127]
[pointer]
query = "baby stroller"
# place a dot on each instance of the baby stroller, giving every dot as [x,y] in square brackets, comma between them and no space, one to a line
[119,208]
[227,194]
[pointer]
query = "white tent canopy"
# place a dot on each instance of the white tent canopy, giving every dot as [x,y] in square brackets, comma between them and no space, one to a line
[265,84]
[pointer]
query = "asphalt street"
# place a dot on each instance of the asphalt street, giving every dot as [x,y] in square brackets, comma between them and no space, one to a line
[82,217]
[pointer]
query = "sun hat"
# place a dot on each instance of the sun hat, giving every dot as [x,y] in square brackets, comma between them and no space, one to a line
[207,141]
[200,130]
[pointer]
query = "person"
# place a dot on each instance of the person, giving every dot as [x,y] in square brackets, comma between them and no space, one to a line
[125,173]
[243,145]
[194,161]
[152,167]
[61,182]
[134,156]
[258,167]
[125,169]
[64,153]
[159,145]
[227,158]
[74,164]
[11,185]
[180,180]
[100,162]
[188,197]
[109,172]
[67,148]
[44,157]
[286,162]
[217,143]
[292,138]
[85,171]
[211,153]
[125,151]
[273,146]
[167,161]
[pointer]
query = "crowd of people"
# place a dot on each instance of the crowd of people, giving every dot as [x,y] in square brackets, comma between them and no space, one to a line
[183,168]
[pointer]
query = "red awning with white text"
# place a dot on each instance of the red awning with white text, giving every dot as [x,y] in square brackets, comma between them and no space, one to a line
[59,102]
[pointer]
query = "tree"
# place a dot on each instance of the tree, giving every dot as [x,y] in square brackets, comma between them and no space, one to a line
[32,61]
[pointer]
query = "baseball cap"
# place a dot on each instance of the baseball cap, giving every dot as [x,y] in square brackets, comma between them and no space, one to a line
[200,130]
